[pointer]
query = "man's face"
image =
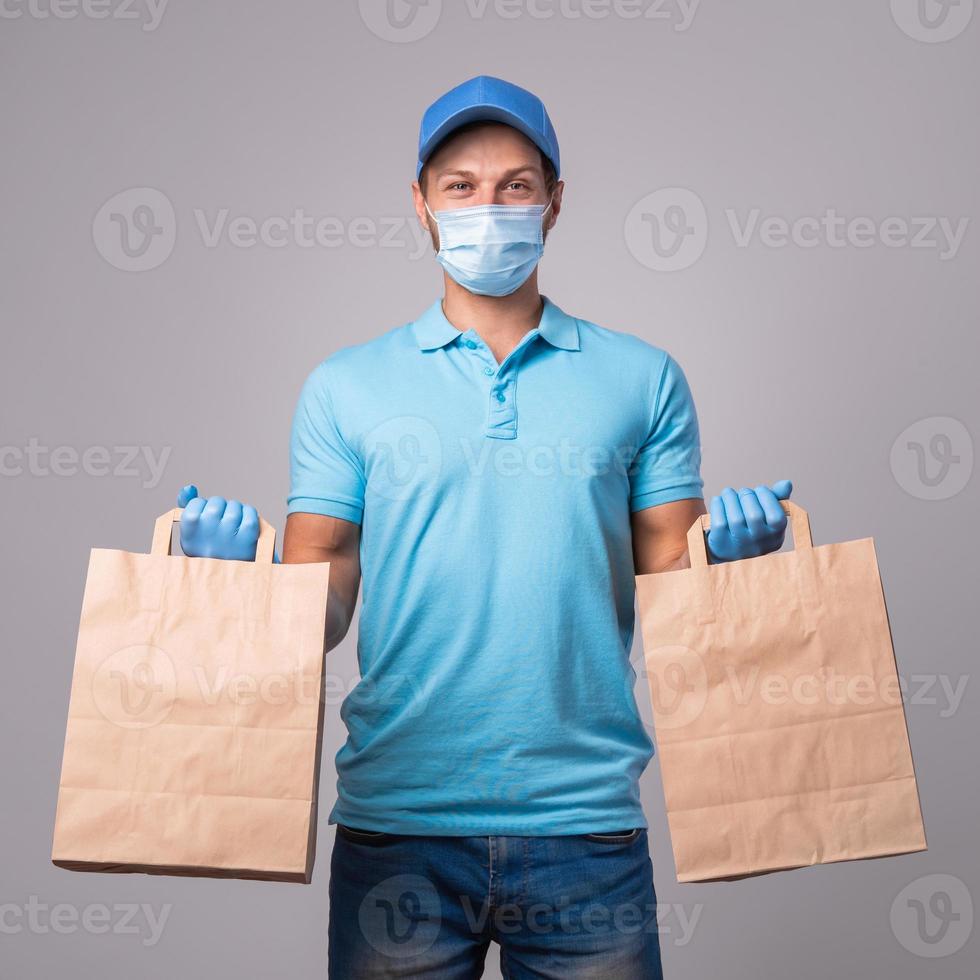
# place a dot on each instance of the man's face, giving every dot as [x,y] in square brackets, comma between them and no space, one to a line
[489,164]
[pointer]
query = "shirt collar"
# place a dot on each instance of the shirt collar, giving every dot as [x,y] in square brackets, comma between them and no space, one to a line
[433,330]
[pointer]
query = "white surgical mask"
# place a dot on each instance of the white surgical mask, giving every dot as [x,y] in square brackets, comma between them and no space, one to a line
[491,249]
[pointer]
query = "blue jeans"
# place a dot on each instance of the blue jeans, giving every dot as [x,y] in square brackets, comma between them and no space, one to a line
[567,907]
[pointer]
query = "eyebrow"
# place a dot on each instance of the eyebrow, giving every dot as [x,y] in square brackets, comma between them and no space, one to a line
[508,175]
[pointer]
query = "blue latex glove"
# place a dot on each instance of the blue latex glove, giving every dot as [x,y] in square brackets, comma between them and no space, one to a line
[212,527]
[747,523]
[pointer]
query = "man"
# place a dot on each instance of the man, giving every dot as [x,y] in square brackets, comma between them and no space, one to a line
[497,471]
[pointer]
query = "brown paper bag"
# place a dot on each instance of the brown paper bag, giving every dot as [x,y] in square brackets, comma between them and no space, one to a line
[778,713]
[194,726]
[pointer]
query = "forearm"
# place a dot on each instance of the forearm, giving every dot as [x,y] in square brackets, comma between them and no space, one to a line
[341,595]
[340,600]
[333,544]
[682,561]
[340,614]
[660,536]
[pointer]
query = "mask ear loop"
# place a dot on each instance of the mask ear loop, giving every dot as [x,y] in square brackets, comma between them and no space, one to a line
[543,213]
[436,220]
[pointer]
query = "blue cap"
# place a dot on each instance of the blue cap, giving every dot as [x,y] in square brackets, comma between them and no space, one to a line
[494,100]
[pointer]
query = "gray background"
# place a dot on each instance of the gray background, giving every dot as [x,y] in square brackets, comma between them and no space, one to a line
[805,362]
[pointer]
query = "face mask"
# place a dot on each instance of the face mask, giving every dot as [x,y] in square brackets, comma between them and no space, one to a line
[491,249]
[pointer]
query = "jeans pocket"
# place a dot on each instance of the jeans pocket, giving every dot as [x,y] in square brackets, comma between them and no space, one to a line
[615,836]
[358,836]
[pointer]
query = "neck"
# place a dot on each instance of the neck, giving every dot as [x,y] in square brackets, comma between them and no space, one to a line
[502,321]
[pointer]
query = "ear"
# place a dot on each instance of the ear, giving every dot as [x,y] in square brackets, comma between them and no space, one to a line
[556,195]
[418,199]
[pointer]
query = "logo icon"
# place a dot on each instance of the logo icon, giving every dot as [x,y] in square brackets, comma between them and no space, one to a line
[401,916]
[932,21]
[400,21]
[667,230]
[933,916]
[933,458]
[404,455]
[678,685]
[135,230]
[135,687]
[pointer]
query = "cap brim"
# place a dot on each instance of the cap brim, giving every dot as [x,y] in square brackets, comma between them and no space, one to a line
[476,113]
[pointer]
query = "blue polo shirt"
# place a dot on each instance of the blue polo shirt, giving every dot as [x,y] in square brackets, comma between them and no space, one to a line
[496,692]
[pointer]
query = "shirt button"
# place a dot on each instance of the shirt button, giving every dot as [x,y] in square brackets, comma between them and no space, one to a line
[470,344]
[488,371]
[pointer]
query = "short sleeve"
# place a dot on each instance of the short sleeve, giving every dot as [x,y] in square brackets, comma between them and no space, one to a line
[667,466]
[326,475]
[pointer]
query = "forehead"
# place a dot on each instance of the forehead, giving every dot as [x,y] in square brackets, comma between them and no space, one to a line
[487,147]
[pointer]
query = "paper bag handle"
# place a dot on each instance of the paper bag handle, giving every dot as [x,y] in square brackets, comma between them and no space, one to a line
[163,531]
[697,547]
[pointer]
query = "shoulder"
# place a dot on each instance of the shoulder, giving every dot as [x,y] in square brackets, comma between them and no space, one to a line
[627,352]
[620,341]
[357,366]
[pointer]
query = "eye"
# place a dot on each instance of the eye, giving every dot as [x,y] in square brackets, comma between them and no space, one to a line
[459,185]
[518,185]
